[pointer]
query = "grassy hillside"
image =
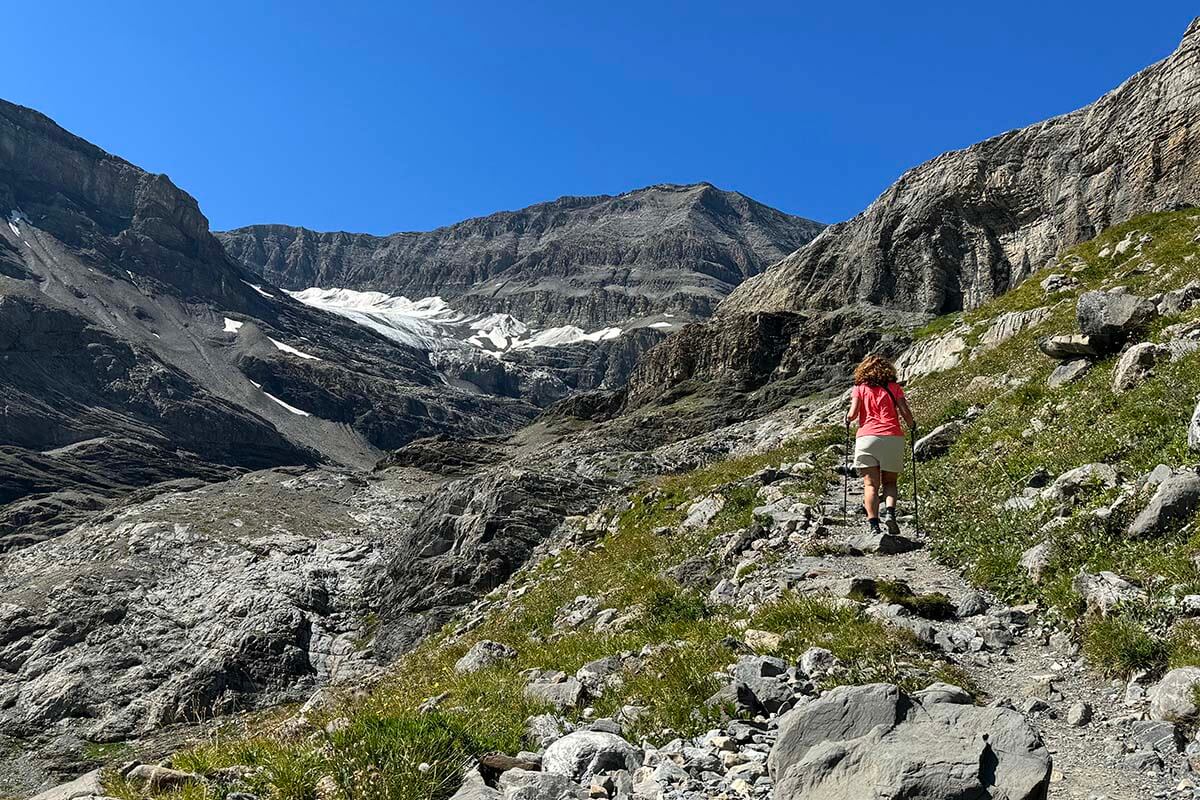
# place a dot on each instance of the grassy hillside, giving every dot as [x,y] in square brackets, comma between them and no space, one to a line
[1026,427]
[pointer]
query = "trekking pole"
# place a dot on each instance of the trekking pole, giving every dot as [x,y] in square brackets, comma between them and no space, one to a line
[916,499]
[846,478]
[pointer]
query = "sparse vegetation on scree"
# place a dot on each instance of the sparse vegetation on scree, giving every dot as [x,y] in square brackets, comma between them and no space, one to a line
[381,745]
[1027,427]
[381,741]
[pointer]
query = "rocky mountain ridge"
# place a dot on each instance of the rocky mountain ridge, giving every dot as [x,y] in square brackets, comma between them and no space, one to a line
[586,261]
[969,225]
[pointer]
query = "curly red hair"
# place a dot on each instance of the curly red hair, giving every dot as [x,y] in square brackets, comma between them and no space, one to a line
[875,371]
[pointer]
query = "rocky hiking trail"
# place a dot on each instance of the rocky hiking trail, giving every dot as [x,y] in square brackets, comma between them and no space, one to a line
[1100,743]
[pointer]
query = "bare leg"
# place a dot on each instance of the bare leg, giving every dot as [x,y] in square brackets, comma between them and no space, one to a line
[890,488]
[871,484]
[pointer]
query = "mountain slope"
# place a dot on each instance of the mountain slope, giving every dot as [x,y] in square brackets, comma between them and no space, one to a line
[587,261]
[964,227]
[968,225]
[136,351]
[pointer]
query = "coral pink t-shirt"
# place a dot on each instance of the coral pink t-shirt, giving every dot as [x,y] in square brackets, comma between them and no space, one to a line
[877,414]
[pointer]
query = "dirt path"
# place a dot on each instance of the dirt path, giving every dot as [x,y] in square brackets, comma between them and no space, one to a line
[1089,761]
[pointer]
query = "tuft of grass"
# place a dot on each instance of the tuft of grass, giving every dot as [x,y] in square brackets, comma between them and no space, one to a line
[1120,646]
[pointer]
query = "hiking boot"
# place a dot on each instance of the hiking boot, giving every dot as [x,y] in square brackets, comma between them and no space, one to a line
[889,519]
[874,525]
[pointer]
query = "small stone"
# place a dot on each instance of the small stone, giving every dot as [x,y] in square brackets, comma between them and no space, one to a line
[1079,714]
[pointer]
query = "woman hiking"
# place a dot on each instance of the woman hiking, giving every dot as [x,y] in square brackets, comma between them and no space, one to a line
[877,405]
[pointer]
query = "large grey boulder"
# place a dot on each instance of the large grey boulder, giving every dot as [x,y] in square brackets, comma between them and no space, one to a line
[1174,503]
[1174,697]
[938,440]
[874,741]
[482,655]
[584,754]
[523,784]
[555,689]
[846,712]
[1110,318]
[766,679]
[1135,365]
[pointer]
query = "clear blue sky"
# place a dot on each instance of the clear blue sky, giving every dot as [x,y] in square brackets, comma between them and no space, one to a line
[377,116]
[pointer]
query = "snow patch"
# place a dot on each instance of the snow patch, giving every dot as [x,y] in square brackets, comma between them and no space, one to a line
[232,325]
[287,348]
[297,411]
[260,290]
[659,325]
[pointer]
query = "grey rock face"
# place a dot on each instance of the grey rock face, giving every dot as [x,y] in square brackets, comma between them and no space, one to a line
[1008,204]
[583,754]
[876,737]
[590,261]
[1175,501]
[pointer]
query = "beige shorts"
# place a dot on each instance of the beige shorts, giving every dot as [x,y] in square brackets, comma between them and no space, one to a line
[885,452]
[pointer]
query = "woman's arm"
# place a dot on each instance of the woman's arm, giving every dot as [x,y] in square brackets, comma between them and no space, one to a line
[906,412]
[852,414]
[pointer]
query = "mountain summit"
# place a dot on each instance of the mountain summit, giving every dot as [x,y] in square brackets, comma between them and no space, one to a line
[587,261]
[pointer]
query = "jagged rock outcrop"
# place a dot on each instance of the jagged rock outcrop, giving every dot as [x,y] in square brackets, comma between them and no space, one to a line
[588,261]
[968,225]
[971,224]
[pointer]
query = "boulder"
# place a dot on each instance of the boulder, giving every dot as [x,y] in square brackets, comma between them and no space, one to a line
[703,511]
[943,693]
[1068,371]
[555,689]
[931,355]
[474,788]
[85,786]
[817,662]
[1174,503]
[844,713]
[523,784]
[1071,482]
[1135,365]
[1110,318]
[584,754]
[1070,348]
[884,544]
[877,737]
[1174,697]
[153,779]
[482,655]
[1104,591]
[939,440]
[766,679]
